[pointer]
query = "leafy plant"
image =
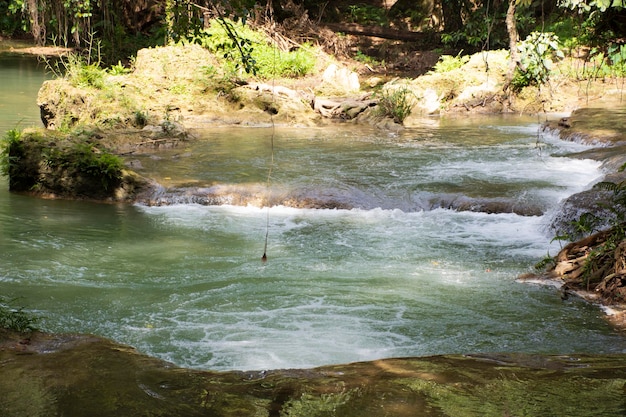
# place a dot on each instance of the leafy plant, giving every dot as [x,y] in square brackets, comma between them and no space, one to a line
[16,319]
[253,51]
[7,159]
[546,262]
[81,70]
[83,158]
[140,118]
[537,53]
[396,104]
[367,59]
[118,69]
[366,14]
[449,63]
[600,258]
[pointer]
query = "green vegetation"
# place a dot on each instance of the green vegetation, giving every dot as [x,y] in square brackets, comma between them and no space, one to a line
[395,104]
[601,257]
[242,47]
[537,53]
[449,63]
[473,26]
[16,319]
[366,14]
[9,143]
[60,163]
[87,160]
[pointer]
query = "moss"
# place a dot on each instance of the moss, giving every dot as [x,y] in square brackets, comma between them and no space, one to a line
[73,165]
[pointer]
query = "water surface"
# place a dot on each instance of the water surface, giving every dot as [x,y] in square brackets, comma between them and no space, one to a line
[395,276]
[20,79]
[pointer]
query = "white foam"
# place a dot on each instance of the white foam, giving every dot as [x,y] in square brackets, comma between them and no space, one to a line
[185,282]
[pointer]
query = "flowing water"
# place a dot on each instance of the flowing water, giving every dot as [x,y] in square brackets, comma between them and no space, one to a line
[397,275]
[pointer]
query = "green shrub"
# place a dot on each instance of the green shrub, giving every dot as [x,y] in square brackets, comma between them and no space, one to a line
[241,47]
[366,14]
[613,222]
[537,52]
[119,69]
[10,141]
[367,59]
[85,159]
[395,104]
[140,118]
[449,63]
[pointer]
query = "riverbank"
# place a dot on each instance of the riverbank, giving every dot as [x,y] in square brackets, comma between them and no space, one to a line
[591,264]
[182,96]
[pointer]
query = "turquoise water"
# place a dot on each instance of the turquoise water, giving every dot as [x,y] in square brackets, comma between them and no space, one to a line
[391,277]
[20,78]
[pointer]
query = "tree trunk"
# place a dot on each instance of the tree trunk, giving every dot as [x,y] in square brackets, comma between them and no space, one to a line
[380,32]
[511,27]
[452,15]
[36,27]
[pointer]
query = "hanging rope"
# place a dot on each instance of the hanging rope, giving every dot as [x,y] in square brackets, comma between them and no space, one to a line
[268,183]
[486,44]
[269,171]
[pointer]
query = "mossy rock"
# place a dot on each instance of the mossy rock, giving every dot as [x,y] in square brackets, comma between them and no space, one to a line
[54,164]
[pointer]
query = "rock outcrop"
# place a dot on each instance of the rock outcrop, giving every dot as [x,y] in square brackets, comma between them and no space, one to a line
[71,375]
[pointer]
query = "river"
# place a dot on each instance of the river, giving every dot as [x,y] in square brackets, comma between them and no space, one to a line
[398,274]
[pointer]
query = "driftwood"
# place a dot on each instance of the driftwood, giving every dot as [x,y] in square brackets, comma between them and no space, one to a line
[604,272]
[277,90]
[380,32]
[332,108]
[341,108]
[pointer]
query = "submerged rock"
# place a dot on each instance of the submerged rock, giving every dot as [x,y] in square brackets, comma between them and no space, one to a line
[70,375]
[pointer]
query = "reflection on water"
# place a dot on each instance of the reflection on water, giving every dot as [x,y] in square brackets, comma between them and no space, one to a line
[72,381]
[20,79]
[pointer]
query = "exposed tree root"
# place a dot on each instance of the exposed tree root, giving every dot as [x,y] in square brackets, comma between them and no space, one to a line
[594,265]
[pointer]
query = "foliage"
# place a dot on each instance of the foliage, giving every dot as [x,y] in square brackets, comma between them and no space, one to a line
[86,159]
[140,118]
[253,51]
[367,59]
[10,141]
[484,28]
[396,104]
[586,5]
[546,262]
[238,44]
[448,63]
[537,52]
[589,223]
[16,319]
[609,62]
[366,14]
[9,25]
[81,70]
[118,69]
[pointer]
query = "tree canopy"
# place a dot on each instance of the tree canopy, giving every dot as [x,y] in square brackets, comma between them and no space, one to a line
[122,27]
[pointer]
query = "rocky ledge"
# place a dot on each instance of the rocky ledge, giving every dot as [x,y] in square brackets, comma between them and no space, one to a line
[70,375]
[593,264]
